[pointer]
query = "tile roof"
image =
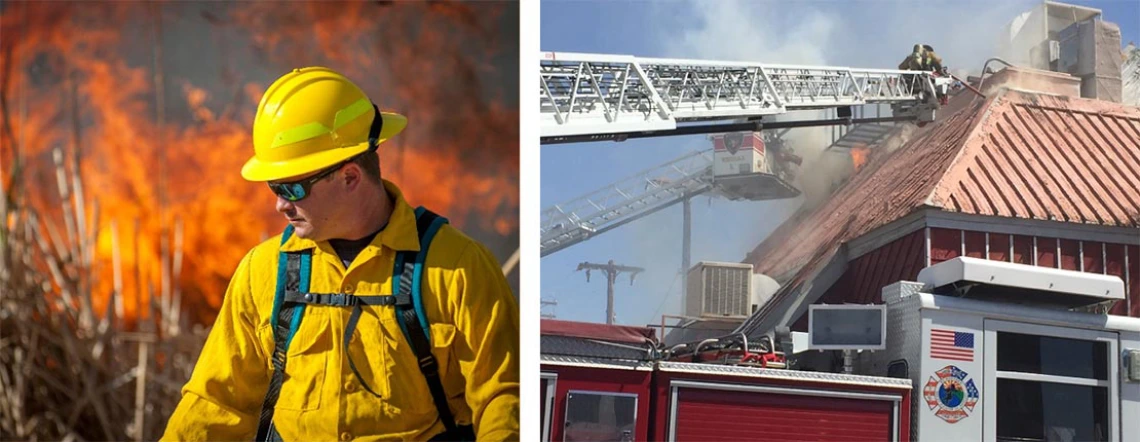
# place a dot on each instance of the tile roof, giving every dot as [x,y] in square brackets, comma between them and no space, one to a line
[1049,157]
[1014,154]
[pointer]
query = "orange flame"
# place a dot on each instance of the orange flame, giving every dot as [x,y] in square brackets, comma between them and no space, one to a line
[859,155]
[83,76]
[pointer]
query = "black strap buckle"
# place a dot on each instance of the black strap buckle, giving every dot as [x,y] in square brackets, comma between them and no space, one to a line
[428,365]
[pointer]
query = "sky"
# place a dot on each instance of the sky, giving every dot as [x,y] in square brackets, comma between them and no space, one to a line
[860,34]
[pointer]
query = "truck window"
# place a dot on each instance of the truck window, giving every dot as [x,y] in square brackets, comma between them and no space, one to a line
[600,416]
[1069,403]
[1053,356]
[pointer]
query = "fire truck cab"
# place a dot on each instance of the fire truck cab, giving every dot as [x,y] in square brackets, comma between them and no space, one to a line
[1006,352]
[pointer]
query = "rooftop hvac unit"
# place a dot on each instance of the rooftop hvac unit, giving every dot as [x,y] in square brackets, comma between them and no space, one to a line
[720,290]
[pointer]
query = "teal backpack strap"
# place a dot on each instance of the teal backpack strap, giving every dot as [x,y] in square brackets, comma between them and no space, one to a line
[433,223]
[412,318]
[293,271]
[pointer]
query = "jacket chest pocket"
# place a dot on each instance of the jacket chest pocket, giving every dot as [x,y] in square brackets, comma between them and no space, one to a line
[409,385]
[306,365]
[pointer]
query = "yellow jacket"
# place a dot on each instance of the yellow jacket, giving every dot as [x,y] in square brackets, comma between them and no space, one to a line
[474,334]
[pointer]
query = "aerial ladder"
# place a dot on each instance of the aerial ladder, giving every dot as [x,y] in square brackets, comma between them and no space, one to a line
[625,201]
[647,192]
[595,97]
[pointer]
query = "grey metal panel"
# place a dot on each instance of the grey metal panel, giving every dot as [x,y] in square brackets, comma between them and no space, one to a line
[904,340]
[587,362]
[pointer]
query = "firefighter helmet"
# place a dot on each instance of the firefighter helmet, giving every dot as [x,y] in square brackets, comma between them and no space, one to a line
[310,119]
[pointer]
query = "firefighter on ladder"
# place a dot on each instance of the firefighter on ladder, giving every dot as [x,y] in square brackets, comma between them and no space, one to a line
[344,326]
[923,58]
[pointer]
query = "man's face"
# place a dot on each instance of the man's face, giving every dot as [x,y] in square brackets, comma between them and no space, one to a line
[314,216]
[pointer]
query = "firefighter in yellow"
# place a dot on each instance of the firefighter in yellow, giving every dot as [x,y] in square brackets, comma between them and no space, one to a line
[324,333]
[922,58]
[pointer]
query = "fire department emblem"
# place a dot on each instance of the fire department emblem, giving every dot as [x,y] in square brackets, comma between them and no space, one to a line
[951,393]
[732,142]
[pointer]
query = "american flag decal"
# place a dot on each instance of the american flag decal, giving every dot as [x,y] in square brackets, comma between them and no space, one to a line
[952,345]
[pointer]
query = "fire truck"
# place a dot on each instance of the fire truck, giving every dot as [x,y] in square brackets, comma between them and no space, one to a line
[973,350]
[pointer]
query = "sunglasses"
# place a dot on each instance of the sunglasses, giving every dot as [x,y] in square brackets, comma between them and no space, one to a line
[298,190]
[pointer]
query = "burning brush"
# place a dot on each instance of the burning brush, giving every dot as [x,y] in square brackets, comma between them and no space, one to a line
[122,213]
[69,369]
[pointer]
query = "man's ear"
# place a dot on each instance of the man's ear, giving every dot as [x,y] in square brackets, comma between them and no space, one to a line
[352,175]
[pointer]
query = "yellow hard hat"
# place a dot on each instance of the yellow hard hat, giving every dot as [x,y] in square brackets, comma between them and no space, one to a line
[310,119]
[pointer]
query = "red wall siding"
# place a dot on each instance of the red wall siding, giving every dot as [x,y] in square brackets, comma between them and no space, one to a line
[945,244]
[1114,264]
[1023,249]
[865,277]
[975,244]
[898,260]
[600,379]
[999,247]
[1070,254]
[714,415]
[1047,252]
[1094,257]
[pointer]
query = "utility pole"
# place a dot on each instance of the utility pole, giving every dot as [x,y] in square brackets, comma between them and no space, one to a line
[612,270]
[686,243]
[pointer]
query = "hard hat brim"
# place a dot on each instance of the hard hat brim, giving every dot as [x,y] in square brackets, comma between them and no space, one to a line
[261,171]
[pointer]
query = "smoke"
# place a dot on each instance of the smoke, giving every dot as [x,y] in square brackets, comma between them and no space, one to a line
[755,31]
[761,33]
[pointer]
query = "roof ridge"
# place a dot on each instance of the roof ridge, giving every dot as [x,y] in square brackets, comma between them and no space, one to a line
[1103,107]
[976,126]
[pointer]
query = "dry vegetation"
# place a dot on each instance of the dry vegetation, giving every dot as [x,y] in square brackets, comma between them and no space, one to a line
[71,370]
